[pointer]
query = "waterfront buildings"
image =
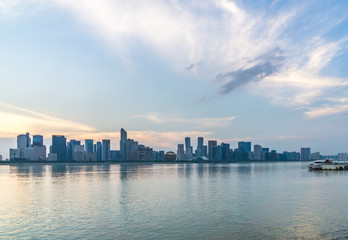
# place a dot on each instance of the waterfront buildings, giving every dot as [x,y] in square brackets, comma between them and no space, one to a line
[342,157]
[59,147]
[123,144]
[132,150]
[257,152]
[37,141]
[170,156]
[99,150]
[89,145]
[305,154]
[211,144]
[188,148]
[180,155]
[106,150]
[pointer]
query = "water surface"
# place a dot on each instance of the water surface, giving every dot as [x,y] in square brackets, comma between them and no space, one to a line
[172,201]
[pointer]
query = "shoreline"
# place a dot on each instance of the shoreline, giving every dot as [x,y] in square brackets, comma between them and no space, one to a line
[141,162]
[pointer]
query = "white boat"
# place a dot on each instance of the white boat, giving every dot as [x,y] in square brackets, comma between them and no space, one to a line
[328,165]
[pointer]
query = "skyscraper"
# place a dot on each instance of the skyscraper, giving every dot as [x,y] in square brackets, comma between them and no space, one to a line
[23,142]
[88,145]
[37,140]
[211,144]
[180,156]
[257,152]
[99,151]
[70,148]
[59,147]
[225,151]
[188,148]
[244,150]
[199,146]
[123,144]
[305,154]
[106,150]
[244,146]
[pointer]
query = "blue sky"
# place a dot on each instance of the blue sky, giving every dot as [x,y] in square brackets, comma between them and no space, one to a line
[272,72]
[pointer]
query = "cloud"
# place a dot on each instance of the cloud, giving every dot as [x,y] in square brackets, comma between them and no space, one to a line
[153,117]
[280,54]
[15,120]
[200,122]
[292,137]
[190,67]
[326,111]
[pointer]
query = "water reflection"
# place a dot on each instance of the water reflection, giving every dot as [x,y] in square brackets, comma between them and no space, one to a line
[133,170]
[28,170]
[178,201]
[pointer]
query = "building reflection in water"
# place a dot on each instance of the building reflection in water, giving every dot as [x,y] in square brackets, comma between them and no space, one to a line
[28,170]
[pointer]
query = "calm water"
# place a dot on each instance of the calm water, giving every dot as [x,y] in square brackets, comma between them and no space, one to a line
[164,201]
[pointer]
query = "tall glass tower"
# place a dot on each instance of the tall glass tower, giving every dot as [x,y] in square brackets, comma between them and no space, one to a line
[123,144]
[188,148]
[59,147]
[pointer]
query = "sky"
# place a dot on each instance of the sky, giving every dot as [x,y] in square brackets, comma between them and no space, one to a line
[273,72]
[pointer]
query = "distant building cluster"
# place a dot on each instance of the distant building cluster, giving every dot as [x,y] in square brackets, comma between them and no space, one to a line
[224,153]
[130,150]
[74,150]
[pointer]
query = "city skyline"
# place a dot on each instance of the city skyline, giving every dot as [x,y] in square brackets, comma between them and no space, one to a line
[34,149]
[271,72]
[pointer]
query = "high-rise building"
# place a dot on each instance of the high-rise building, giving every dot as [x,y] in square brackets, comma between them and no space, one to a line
[211,144]
[257,152]
[265,154]
[39,153]
[305,154]
[132,148]
[342,157]
[99,151]
[37,140]
[180,156]
[216,153]
[244,146]
[23,142]
[316,156]
[71,147]
[59,147]
[29,154]
[199,146]
[144,153]
[15,153]
[161,155]
[205,151]
[225,151]
[89,145]
[123,145]
[188,148]
[106,150]
[244,150]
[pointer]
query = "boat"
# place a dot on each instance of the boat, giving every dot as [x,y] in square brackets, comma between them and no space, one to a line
[328,165]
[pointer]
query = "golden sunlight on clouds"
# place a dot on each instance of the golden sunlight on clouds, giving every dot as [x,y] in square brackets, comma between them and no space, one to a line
[15,120]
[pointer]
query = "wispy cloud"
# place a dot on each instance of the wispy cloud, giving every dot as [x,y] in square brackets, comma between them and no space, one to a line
[291,137]
[326,111]
[265,65]
[15,120]
[201,122]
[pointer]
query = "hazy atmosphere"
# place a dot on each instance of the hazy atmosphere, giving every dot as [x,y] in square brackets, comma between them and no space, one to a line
[270,72]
